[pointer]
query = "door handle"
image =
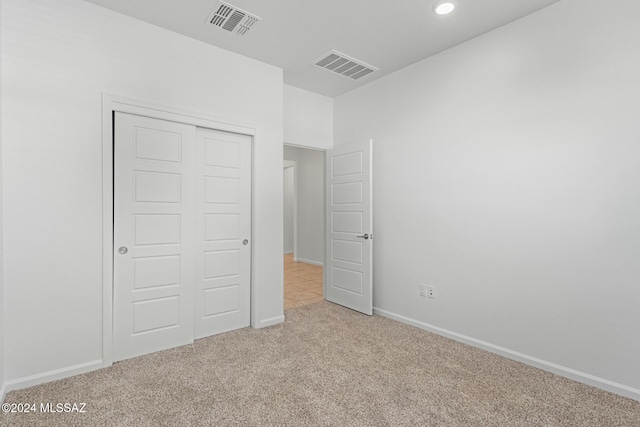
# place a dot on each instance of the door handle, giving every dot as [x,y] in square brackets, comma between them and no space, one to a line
[364,236]
[123,250]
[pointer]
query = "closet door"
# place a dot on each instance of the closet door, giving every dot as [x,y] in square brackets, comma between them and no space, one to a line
[223,232]
[153,256]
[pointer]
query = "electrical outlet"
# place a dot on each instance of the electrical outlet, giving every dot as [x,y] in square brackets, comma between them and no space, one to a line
[423,290]
[431,292]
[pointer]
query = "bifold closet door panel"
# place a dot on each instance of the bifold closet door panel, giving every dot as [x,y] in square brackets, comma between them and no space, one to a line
[223,232]
[154,204]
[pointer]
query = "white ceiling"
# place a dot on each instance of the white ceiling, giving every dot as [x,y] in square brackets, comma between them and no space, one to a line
[293,33]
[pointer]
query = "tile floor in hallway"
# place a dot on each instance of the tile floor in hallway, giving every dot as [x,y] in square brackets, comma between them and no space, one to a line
[302,283]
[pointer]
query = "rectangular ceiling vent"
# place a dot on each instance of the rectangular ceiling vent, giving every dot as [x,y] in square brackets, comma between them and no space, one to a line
[232,18]
[344,65]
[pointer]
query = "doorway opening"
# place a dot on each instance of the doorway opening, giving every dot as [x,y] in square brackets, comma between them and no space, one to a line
[304,234]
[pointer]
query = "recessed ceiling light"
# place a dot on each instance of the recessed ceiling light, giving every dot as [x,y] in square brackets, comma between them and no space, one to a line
[444,8]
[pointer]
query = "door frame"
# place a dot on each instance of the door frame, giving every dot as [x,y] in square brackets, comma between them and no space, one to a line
[294,166]
[110,104]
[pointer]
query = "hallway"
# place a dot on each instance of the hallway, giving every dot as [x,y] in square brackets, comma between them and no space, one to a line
[302,283]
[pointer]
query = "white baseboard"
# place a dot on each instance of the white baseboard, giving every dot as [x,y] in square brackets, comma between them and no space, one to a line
[572,374]
[308,261]
[46,377]
[288,252]
[3,392]
[270,322]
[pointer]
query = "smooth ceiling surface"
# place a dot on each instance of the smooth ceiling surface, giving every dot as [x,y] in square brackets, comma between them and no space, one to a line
[293,33]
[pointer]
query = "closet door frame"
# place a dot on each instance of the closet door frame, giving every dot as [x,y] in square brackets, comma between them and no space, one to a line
[110,105]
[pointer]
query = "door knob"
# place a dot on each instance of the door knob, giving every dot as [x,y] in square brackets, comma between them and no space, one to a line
[245,242]
[365,236]
[123,250]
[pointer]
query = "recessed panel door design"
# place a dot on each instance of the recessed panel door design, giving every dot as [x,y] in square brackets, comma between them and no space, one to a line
[348,265]
[223,232]
[153,235]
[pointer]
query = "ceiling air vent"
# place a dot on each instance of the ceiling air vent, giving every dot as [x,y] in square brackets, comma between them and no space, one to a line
[232,18]
[344,65]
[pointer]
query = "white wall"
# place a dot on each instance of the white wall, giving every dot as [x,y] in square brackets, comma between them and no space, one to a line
[57,59]
[2,389]
[308,118]
[310,203]
[507,173]
[288,210]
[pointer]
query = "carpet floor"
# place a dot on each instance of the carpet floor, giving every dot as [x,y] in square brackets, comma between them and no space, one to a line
[325,366]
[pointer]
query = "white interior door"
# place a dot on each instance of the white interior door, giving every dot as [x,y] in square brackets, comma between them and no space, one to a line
[153,235]
[223,232]
[348,263]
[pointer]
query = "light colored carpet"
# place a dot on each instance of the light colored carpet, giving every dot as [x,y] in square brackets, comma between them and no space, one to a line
[326,366]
